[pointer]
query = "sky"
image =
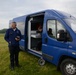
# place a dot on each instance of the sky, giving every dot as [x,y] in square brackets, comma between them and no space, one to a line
[10,9]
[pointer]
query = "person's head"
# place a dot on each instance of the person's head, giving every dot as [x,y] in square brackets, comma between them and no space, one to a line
[13,25]
[40,28]
[50,30]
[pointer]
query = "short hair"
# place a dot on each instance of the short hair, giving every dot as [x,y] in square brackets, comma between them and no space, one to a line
[14,23]
[50,29]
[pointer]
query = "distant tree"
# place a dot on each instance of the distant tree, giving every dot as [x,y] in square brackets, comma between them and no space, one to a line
[3,30]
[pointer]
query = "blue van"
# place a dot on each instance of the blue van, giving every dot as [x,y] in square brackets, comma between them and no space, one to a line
[50,35]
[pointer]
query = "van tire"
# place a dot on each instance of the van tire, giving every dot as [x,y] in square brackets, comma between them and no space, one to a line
[68,67]
[41,62]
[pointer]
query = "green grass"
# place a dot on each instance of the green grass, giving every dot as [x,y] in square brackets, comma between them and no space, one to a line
[29,63]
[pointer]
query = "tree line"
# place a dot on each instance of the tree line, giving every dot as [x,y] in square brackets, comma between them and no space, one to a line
[3,30]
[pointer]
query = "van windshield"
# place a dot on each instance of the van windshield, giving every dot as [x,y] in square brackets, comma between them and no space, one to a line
[71,23]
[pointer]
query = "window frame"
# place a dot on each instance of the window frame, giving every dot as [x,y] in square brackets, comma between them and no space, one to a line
[56,30]
[55,27]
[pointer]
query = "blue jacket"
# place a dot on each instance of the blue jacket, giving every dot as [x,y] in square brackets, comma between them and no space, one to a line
[10,36]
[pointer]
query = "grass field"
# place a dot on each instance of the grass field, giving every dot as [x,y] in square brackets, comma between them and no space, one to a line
[29,63]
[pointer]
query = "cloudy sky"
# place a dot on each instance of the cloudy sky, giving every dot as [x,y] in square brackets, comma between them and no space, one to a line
[14,8]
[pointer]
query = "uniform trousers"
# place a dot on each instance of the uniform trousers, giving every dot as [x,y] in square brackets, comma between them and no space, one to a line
[14,53]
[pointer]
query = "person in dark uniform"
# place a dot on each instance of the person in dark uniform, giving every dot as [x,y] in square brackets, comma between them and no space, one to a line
[50,33]
[13,36]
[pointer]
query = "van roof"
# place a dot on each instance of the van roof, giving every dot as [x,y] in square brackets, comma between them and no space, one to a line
[59,14]
[51,12]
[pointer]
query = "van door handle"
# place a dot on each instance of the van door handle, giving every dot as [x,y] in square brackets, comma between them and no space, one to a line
[46,40]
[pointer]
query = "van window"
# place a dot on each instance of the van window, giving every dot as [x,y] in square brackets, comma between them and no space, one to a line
[53,27]
[71,23]
[60,26]
[21,26]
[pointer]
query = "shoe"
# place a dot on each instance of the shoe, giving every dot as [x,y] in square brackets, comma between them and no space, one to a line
[12,68]
[19,66]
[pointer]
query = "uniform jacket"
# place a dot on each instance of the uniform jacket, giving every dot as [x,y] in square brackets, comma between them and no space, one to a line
[10,36]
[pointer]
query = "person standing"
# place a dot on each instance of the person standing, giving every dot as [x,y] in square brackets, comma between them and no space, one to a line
[13,36]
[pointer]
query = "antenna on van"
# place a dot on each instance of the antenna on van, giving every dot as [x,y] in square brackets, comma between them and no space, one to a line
[70,16]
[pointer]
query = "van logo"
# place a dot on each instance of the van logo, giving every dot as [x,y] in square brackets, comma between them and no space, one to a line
[74,53]
[70,46]
[17,32]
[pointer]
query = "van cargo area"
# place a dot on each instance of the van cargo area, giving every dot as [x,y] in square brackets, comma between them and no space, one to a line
[34,37]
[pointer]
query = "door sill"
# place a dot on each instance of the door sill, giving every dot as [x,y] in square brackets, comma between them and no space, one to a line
[38,52]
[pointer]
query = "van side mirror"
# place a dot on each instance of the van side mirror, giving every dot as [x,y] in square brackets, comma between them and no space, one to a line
[62,36]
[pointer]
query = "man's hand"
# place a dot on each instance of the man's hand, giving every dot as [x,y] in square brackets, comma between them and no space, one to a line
[17,39]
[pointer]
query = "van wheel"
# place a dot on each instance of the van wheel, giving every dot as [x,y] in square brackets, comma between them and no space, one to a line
[41,61]
[68,67]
